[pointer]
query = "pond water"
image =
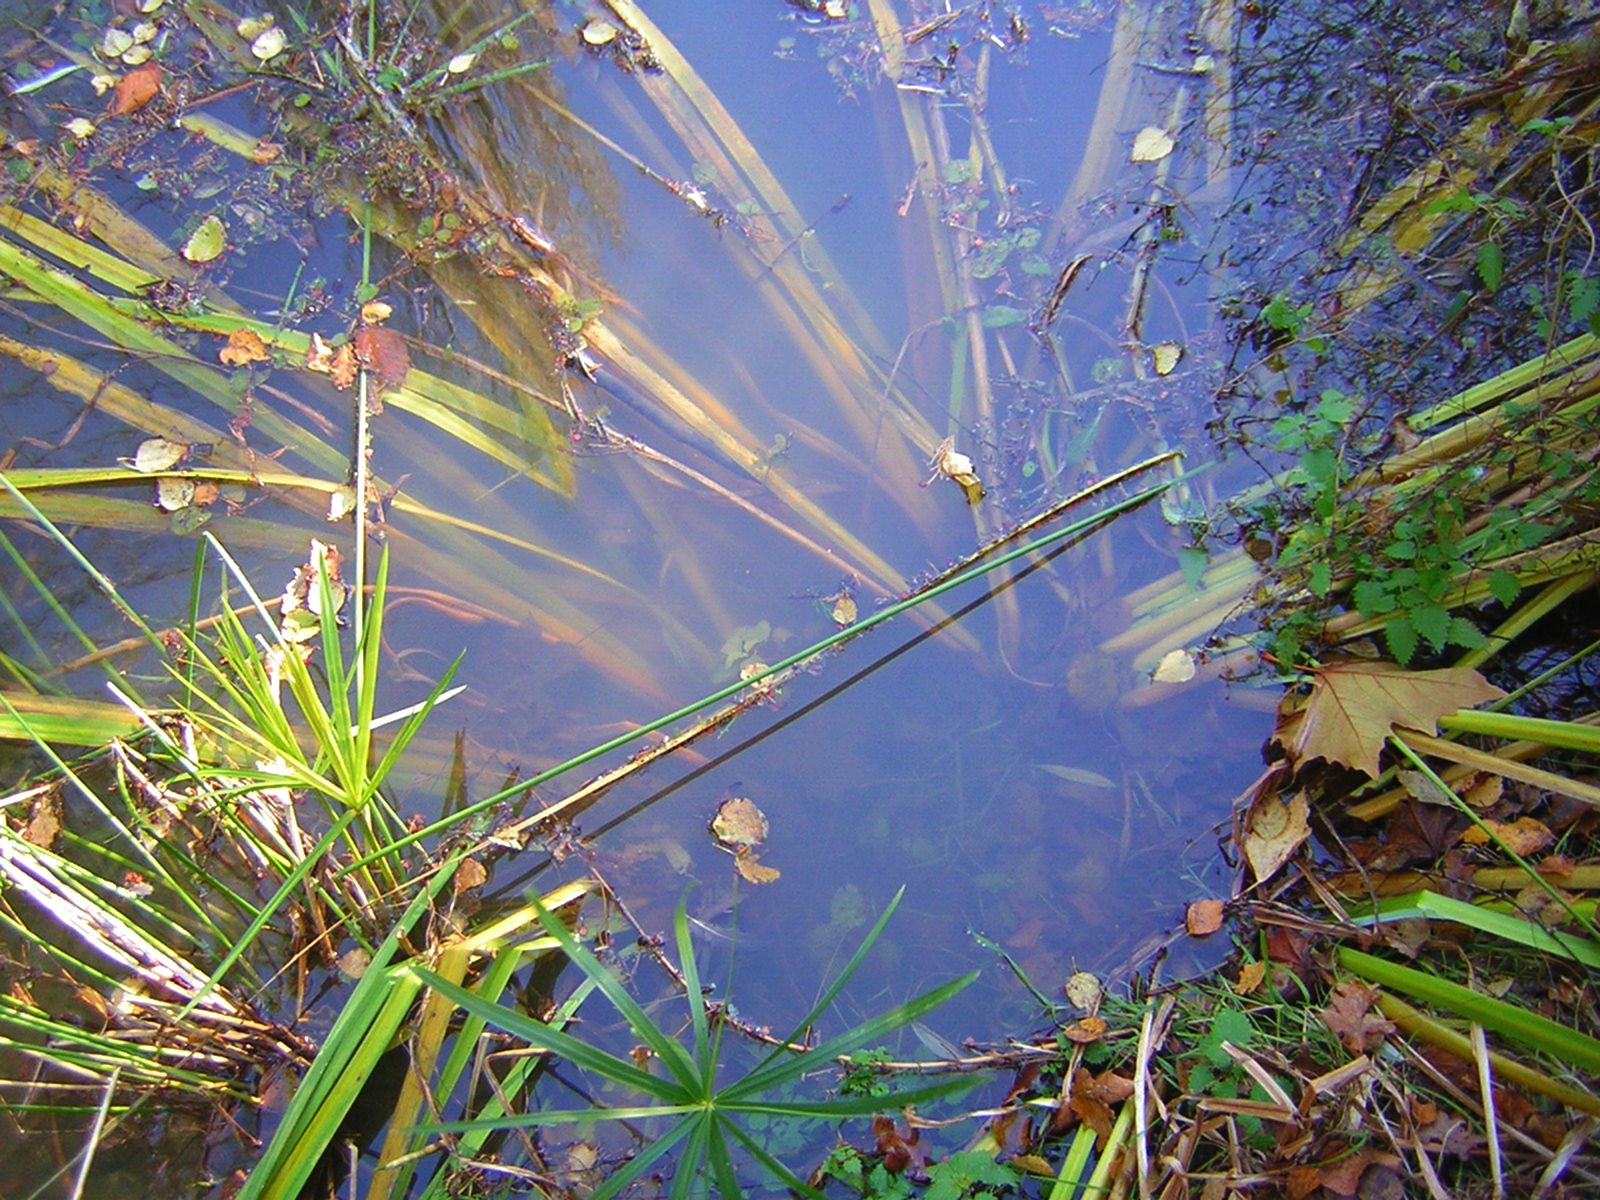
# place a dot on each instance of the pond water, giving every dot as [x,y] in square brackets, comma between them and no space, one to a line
[778,282]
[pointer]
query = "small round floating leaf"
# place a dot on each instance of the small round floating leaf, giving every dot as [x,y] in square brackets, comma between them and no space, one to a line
[253,27]
[158,454]
[206,242]
[461,64]
[80,128]
[144,31]
[598,33]
[138,56]
[1167,356]
[1176,666]
[116,43]
[269,45]
[739,824]
[173,493]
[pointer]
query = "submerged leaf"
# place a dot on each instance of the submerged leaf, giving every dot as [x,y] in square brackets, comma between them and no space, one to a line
[384,353]
[1151,144]
[1176,666]
[1166,356]
[739,825]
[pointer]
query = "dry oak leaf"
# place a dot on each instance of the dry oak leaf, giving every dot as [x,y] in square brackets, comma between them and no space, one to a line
[739,825]
[1524,836]
[1355,705]
[1086,1030]
[1350,1018]
[244,347]
[135,89]
[1203,917]
[343,368]
[1251,976]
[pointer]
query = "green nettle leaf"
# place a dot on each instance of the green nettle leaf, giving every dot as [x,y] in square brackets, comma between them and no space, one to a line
[1465,634]
[1320,579]
[1491,265]
[1432,621]
[1504,586]
[1372,598]
[1320,464]
[1402,639]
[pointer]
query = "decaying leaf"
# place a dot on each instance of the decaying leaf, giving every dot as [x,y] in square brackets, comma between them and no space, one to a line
[949,463]
[460,64]
[269,44]
[264,152]
[300,610]
[157,454]
[1086,1029]
[1084,992]
[841,608]
[739,825]
[319,356]
[244,347]
[1176,666]
[1151,144]
[1274,828]
[80,128]
[470,874]
[597,32]
[206,242]
[250,28]
[114,43]
[44,819]
[1203,917]
[376,312]
[1350,1018]
[353,963]
[1251,976]
[135,89]
[751,869]
[343,367]
[1355,705]
[384,353]
[1524,836]
[1166,356]
[173,493]
[341,503]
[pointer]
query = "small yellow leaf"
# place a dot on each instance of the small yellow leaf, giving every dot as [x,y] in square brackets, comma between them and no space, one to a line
[116,43]
[80,128]
[1251,976]
[751,870]
[253,27]
[158,454]
[269,45]
[376,312]
[206,242]
[461,64]
[1167,356]
[469,874]
[244,347]
[1086,1030]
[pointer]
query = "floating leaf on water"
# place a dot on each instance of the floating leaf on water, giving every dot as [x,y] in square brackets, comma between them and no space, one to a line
[1151,144]
[1176,666]
[244,347]
[1086,1029]
[597,32]
[205,493]
[102,83]
[470,874]
[150,6]
[1076,775]
[1084,992]
[384,353]
[341,503]
[319,356]
[138,56]
[1204,65]
[206,242]
[353,963]
[80,128]
[158,454]
[264,152]
[344,368]
[144,31]
[376,312]
[1167,356]
[187,520]
[116,43]
[752,870]
[949,463]
[739,824]
[842,608]
[253,27]
[173,493]
[269,45]
[461,64]
[136,89]
[743,642]
[1203,917]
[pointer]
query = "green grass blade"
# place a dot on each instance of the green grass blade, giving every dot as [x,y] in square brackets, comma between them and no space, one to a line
[1505,925]
[703,1055]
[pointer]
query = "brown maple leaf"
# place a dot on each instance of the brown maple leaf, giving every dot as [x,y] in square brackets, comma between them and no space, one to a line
[1349,1016]
[1355,705]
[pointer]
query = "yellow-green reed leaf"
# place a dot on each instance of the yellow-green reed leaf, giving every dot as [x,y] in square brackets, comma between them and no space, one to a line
[64,720]
[1540,1033]
[118,272]
[1567,734]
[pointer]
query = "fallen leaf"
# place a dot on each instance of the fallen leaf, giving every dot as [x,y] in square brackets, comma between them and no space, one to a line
[157,454]
[244,347]
[80,128]
[1203,918]
[115,43]
[842,608]
[173,494]
[461,63]
[1274,828]
[344,368]
[1176,666]
[353,963]
[597,32]
[250,28]
[206,242]
[1355,705]
[341,503]
[1088,1107]
[1350,1017]
[1085,1030]
[383,352]
[1084,991]
[949,463]
[138,56]
[1107,1086]
[1523,837]
[44,820]
[739,824]
[269,45]
[136,89]
[1151,144]
[1250,978]
[1166,356]
[376,312]
[751,870]
[264,152]
[205,493]
[470,874]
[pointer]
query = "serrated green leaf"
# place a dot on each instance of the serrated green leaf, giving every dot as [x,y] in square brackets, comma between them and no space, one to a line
[1432,622]
[1372,598]
[1465,634]
[1491,265]
[1402,639]
[1504,586]
[1319,579]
